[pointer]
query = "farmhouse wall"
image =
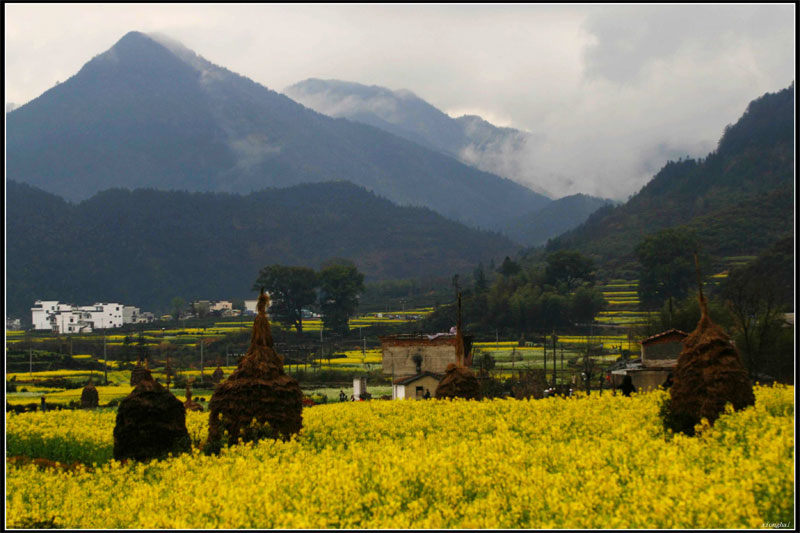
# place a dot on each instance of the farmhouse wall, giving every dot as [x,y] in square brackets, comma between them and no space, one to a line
[661,353]
[644,379]
[398,355]
[426,382]
[662,350]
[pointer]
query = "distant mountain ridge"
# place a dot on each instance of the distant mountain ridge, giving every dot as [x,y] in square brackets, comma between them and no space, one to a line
[144,247]
[469,138]
[739,199]
[554,219]
[150,113]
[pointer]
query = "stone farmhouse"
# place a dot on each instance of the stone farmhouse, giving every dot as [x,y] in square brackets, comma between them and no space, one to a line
[659,357]
[418,362]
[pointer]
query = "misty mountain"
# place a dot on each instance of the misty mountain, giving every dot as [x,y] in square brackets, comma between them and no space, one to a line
[469,138]
[150,113]
[557,217]
[144,247]
[739,199]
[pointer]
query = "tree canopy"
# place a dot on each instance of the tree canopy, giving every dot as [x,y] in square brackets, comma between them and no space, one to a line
[291,288]
[340,283]
[667,266]
[570,268]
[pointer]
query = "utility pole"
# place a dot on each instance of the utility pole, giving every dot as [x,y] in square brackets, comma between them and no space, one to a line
[544,348]
[30,360]
[555,367]
[201,356]
[105,356]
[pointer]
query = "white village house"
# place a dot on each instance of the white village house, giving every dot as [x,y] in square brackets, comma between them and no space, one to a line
[68,318]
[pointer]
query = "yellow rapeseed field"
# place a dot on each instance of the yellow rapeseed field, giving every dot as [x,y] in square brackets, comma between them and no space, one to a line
[596,462]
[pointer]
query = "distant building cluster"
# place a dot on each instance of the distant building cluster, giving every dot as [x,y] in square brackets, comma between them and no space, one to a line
[221,308]
[68,318]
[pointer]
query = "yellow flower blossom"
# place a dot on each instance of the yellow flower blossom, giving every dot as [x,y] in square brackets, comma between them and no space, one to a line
[601,461]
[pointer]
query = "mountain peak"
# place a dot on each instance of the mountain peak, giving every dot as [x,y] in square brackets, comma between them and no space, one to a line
[146,50]
[148,112]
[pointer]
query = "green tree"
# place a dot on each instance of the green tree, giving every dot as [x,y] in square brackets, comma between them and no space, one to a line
[142,348]
[554,308]
[509,267]
[177,307]
[126,349]
[484,362]
[568,269]
[201,309]
[586,304]
[340,284]
[480,284]
[752,297]
[667,267]
[290,289]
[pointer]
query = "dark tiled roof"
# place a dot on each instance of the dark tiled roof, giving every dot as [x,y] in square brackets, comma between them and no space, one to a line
[410,379]
[657,336]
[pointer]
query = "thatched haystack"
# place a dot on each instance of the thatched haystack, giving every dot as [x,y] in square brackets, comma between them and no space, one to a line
[139,373]
[258,399]
[151,423]
[89,396]
[709,374]
[530,384]
[190,404]
[459,381]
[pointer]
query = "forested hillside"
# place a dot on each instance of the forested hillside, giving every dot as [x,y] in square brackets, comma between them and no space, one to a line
[739,199]
[557,217]
[145,247]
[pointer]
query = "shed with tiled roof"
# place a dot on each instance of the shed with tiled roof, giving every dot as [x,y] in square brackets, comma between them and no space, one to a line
[415,387]
[662,350]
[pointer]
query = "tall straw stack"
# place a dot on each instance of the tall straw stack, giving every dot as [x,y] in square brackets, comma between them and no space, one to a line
[709,374]
[258,400]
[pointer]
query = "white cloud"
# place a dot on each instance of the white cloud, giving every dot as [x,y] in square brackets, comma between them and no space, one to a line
[610,92]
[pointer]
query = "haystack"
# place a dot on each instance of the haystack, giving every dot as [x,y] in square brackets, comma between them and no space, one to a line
[139,372]
[530,384]
[459,381]
[258,399]
[89,396]
[190,404]
[709,374]
[151,423]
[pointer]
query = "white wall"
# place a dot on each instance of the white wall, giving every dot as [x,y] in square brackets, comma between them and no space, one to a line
[398,392]
[130,314]
[41,312]
[104,316]
[71,322]
[250,305]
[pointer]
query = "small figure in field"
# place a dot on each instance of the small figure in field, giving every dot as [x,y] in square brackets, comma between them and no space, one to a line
[427,394]
[44,405]
[342,396]
[668,381]
[627,386]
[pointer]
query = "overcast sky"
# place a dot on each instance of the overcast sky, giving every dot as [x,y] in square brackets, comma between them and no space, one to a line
[611,93]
